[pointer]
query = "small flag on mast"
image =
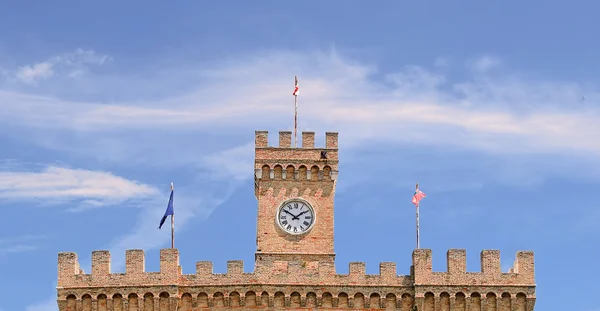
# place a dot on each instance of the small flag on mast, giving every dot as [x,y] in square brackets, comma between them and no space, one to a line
[169,210]
[296,89]
[418,196]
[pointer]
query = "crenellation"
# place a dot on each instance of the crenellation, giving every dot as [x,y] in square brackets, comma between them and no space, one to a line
[135,261]
[204,268]
[68,267]
[308,140]
[490,262]
[457,261]
[169,263]
[387,270]
[357,268]
[331,140]
[235,267]
[285,139]
[100,263]
[261,139]
[456,273]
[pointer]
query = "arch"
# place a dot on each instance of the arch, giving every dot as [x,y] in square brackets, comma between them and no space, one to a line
[289,172]
[71,302]
[490,302]
[148,302]
[102,299]
[374,301]
[86,302]
[327,172]
[266,172]
[117,300]
[234,299]
[279,300]
[505,304]
[407,302]
[164,302]
[327,300]
[359,300]
[342,300]
[264,299]
[132,302]
[314,173]
[311,300]
[250,299]
[202,300]
[295,300]
[460,303]
[444,301]
[476,301]
[390,301]
[277,172]
[186,302]
[302,175]
[521,302]
[218,300]
[428,304]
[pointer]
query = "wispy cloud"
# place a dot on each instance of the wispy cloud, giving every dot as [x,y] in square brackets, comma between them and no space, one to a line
[74,64]
[214,184]
[484,63]
[20,244]
[494,114]
[95,188]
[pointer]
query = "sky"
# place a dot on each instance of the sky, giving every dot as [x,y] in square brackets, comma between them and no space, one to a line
[492,107]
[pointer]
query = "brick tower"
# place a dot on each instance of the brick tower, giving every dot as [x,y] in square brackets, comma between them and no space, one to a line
[295,261]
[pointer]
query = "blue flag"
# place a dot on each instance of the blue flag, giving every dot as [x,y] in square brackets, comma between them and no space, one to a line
[169,210]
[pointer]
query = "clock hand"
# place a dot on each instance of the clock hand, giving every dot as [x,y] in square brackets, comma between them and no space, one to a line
[293,216]
[301,214]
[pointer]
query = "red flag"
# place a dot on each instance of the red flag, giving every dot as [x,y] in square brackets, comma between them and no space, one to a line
[295,86]
[418,196]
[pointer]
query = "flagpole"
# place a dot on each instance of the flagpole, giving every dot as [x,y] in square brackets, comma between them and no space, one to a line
[172,224]
[295,114]
[417,188]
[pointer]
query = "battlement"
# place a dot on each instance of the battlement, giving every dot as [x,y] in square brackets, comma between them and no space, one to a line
[293,272]
[521,274]
[284,162]
[261,140]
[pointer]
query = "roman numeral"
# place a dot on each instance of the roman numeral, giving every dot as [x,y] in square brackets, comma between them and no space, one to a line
[283,217]
[296,205]
[284,222]
[295,229]
[306,223]
[289,227]
[307,217]
[301,228]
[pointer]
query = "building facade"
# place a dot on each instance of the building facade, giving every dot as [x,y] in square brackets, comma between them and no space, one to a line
[294,264]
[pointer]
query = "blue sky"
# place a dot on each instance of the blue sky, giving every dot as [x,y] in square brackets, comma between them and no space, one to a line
[492,107]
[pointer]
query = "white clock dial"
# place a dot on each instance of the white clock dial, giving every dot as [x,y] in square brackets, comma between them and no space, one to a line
[295,216]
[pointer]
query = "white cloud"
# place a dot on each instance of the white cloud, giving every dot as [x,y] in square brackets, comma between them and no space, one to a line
[19,244]
[493,114]
[30,74]
[75,63]
[196,200]
[96,188]
[484,63]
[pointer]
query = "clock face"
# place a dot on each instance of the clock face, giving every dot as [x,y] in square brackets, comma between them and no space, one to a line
[295,216]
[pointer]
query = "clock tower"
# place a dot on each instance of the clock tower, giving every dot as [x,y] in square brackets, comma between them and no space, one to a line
[295,188]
